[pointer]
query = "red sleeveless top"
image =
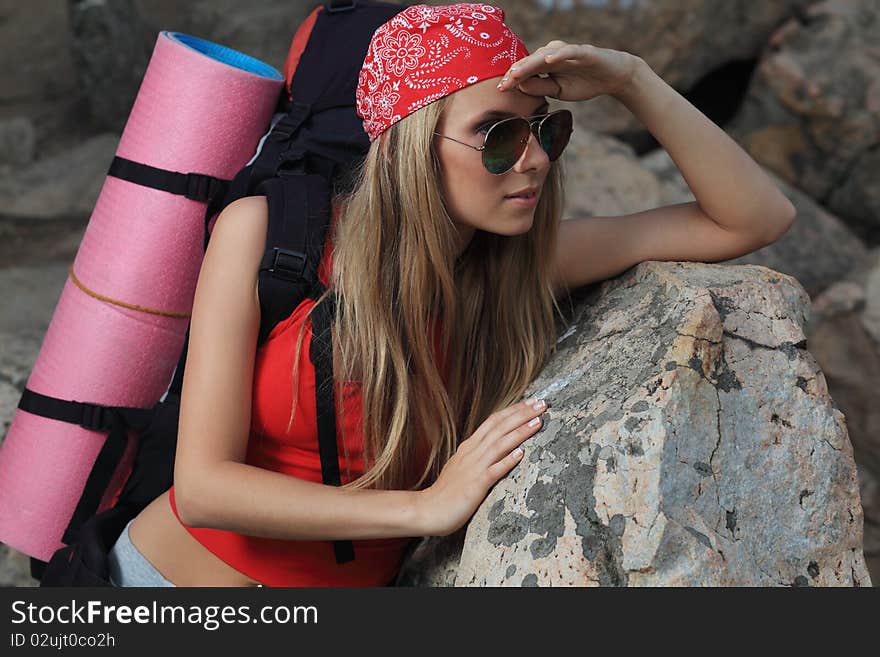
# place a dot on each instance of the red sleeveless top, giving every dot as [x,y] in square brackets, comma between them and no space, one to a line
[280,562]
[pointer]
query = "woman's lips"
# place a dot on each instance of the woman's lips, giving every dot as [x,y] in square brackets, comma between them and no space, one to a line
[529,201]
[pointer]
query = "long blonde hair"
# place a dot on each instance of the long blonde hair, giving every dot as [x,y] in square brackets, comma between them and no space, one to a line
[394,273]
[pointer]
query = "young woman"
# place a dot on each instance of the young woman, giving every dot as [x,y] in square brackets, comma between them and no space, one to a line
[447,259]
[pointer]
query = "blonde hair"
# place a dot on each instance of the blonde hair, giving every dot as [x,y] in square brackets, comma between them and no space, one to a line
[394,273]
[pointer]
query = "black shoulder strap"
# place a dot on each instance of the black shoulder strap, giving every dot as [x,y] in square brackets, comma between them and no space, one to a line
[321,354]
[299,216]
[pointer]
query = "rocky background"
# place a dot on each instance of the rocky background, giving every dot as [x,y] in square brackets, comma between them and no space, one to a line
[795,82]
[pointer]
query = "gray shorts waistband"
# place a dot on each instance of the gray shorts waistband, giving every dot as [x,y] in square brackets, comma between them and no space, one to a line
[128,567]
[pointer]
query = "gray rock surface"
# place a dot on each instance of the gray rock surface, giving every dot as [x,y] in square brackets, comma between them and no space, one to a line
[682,40]
[38,79]
[690,440]
[603,176]
[812,111]
[112,41]
[63,186]
[111,46]
[844,331]
[869,490]
[17,142]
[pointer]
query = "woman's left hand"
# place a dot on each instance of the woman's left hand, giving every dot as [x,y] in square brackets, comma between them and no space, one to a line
[573,72]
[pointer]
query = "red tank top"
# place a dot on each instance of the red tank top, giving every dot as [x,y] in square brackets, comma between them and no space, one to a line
[279,562]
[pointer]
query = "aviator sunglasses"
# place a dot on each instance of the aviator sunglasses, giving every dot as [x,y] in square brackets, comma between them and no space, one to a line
[507,139]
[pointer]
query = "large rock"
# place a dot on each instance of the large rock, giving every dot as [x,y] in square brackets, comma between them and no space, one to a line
[603,176]
[17,143]
[690,440]
[812,112]
[38,80]
[64,186]
[113,41]
[111,46]
[844,334]
[869,490]
[682,40]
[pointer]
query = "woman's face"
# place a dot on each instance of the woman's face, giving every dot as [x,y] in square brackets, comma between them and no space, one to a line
[474,197]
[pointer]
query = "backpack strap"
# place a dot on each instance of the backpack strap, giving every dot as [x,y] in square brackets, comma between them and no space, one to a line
[95,417]
[321,355]
[299,214]
[194,186]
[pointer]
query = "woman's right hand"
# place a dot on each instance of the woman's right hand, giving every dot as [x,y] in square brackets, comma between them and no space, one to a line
[478,463]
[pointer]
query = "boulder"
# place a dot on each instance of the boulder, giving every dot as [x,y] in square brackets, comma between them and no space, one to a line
[812,110]
[113,41]
[682,40]
[63,186]
[17,142]
[844,332]
[603,176]
[690,441]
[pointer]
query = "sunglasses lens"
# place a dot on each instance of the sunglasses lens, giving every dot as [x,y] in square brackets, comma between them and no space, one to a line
[555,133]
[505,144]
[507,140]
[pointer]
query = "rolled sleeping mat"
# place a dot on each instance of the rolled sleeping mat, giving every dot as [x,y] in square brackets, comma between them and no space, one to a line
[120,323]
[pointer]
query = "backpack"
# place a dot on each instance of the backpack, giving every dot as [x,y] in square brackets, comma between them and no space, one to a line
[314,144]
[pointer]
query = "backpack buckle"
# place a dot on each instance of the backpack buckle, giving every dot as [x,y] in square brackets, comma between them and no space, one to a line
[291,161]
[334,7]
[287,264]
[200,187]
[94,417]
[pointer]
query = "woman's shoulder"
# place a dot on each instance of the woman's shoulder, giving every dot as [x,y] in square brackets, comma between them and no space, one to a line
[238,238]
[249,214]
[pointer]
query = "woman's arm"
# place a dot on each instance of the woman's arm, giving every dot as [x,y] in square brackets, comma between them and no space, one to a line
[249,500]
[729,186]
[731,189]
[213,485]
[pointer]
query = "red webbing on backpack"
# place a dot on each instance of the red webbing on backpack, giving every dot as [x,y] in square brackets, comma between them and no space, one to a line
[297,46]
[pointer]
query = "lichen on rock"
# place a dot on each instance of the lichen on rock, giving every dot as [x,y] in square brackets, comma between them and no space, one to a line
[690,441]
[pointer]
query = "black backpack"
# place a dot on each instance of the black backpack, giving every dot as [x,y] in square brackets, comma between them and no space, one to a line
[315,144]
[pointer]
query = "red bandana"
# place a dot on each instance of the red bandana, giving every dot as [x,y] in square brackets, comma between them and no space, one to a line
[425,53]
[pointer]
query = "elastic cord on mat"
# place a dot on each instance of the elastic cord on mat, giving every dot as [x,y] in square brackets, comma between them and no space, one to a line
[122,304]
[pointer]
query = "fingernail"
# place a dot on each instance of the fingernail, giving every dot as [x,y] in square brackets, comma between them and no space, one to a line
[513,68]
[539,404]
[535,421]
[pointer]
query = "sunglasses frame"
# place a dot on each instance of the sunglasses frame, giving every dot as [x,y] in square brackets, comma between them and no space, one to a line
[531,120]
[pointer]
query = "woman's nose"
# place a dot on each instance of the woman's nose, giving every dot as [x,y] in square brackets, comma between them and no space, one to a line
[533,157]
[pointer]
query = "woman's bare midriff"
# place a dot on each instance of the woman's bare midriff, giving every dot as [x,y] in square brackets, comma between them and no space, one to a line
[158,535]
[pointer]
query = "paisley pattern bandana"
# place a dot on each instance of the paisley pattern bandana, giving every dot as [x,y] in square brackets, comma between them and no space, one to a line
[425,53]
